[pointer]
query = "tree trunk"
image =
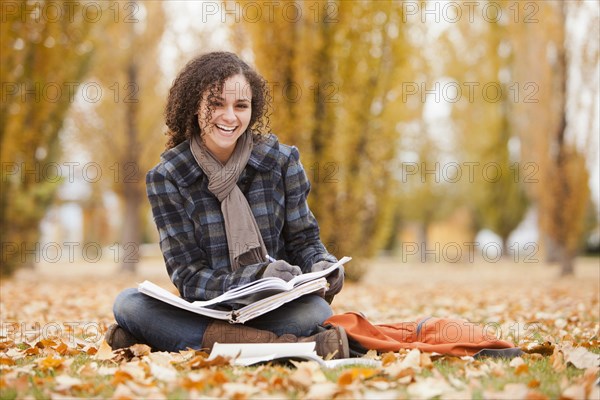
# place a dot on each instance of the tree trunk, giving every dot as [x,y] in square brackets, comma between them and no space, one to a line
[132,197]
[567,262]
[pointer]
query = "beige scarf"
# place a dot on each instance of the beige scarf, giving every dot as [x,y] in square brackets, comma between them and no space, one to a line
[243,235]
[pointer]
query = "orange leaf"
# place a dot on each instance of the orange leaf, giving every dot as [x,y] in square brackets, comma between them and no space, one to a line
[6,344]
[190,384]
[535,395]
[50,362]
[6,361]
[521,369]
[219,378]
[32,351]
[121,377]
[534,383]
[345,378]
[61,349]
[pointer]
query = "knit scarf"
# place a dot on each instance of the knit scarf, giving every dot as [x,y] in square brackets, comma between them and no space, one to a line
[245,243]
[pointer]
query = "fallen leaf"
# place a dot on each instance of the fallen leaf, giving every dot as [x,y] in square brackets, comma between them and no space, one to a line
[425,361]
[324,390]
[203,362]
[6,361]
[580,357]
[66,382]
[522,369]
[238,390]
[574,392]
[105,352]
[511,391]
[557,361]
[535,395]
[49,362]
[352,374]
[140,350]
[120,377]
[388,358]
[429,388]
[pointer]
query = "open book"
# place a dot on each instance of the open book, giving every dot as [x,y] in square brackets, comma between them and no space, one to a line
[251,300]
[246,354]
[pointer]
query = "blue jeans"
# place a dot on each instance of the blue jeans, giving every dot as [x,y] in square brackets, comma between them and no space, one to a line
[168,328]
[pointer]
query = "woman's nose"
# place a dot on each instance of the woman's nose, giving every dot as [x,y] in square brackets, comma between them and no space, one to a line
[229,114]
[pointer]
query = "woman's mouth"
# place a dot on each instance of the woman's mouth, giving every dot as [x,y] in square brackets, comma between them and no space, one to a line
[227,130]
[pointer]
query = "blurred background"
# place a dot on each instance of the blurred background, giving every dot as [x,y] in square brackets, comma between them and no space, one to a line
[431,131]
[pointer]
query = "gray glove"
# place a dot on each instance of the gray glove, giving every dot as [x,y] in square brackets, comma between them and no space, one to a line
[335,279]
[281,269]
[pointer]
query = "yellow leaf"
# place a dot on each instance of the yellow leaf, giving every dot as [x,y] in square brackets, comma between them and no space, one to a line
[388,358]
[140,350]
[49,363]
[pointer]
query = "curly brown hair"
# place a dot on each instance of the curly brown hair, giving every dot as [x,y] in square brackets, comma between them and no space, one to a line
[206,74]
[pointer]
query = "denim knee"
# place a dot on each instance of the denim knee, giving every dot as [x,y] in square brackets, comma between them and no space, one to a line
[125,302]
[320,309]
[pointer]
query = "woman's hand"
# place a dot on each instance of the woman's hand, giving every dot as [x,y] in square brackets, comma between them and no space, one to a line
[335,279]
[281,269]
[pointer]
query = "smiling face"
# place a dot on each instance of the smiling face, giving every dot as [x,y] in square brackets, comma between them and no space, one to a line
[225,116]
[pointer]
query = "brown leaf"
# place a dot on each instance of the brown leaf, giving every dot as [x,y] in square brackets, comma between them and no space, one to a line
[44,343]
[203,362]
[546,349]
[6,345]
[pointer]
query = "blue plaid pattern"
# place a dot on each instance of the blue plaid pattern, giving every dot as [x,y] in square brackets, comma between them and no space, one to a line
[191,227]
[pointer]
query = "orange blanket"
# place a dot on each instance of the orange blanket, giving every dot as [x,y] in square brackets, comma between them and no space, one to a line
[440,335]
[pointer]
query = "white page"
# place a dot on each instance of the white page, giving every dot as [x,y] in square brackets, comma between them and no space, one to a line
[313,275]
[165,296]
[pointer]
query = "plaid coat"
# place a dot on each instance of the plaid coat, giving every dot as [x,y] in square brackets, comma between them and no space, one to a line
[191,227]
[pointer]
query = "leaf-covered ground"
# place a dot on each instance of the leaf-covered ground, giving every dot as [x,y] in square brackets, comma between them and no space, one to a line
[53,320]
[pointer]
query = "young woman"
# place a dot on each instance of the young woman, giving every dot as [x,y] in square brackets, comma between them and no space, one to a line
[225,194]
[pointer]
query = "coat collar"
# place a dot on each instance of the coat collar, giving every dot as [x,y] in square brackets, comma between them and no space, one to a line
[184,169]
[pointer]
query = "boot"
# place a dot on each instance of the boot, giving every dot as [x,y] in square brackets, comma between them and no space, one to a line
[119,338]
[332,341]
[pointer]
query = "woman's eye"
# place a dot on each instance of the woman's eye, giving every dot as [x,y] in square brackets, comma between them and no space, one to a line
[242,105]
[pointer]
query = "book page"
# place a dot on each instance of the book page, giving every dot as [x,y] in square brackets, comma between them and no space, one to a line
[252,353]
[309,276]
[150,289]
